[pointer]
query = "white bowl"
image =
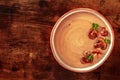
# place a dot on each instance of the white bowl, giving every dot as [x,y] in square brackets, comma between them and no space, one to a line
[52,37]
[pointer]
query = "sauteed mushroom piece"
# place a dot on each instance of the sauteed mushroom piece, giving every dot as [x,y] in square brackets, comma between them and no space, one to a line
[87,57]
[93,34]
[100,43]
[96,51]
[103,31]
[93,31]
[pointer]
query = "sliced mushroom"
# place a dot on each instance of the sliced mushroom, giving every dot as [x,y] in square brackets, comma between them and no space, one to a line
[87,57]
[100,43]
[83,60]
[96,51]
[103,31]
[92,34]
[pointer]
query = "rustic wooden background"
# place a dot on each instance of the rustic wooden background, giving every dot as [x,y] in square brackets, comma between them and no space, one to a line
[25,27]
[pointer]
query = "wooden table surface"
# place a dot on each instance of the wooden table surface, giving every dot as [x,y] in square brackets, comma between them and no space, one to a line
[25,27]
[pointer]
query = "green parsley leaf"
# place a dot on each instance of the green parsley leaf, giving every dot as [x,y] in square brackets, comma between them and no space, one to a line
[95,26]
[107,41]
[90,57]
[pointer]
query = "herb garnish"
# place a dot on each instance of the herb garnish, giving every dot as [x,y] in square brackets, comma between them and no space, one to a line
[107,41]
[95,26]
[90,57]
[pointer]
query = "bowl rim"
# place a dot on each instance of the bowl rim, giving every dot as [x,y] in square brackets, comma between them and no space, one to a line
[90,68]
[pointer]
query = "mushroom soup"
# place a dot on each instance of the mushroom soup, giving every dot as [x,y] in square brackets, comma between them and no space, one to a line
[81,40]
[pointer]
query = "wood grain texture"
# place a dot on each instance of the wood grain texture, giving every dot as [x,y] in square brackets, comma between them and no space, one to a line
[25,27]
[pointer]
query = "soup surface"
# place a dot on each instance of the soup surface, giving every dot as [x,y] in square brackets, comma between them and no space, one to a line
[72,39]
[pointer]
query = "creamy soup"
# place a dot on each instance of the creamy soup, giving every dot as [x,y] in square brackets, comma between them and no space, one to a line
[72,39]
